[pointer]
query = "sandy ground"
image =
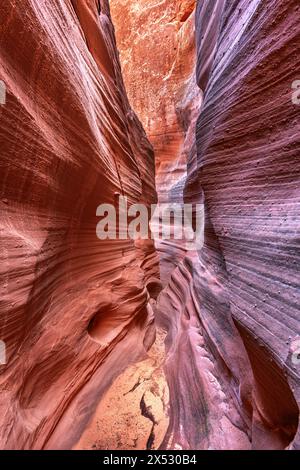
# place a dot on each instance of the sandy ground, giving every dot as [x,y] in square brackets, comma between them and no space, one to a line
[134,412]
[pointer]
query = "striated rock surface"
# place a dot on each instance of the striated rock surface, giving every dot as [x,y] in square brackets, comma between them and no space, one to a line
[248,168]
[156,41]
[211,81]
[74,309]
[231,310]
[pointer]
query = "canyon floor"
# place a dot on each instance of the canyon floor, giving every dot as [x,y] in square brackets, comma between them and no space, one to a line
[133,414]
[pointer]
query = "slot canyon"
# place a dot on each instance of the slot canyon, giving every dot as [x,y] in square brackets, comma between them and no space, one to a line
[146,344]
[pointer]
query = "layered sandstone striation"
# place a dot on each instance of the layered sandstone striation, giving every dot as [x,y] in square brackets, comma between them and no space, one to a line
[248,169]
[211,83]
[74,310]
[231,310]
[156,41]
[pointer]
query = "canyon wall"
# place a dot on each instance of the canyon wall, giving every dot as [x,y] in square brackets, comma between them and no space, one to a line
[248,168]
[211,83]
[230,310]
[156,41]
[74,310]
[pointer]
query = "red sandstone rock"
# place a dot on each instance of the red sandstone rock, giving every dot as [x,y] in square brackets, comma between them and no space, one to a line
[156,41]
[75,312]
[231,310]
[69,142]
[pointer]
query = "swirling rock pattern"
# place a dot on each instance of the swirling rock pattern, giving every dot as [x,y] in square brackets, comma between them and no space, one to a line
[76,312]
[231,310]
[69,142]
[248,168]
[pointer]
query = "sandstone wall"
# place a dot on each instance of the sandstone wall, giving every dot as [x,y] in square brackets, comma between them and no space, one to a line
[231,310]
[74,310]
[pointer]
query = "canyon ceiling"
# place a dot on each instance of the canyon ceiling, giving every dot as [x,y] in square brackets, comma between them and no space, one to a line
[144,344]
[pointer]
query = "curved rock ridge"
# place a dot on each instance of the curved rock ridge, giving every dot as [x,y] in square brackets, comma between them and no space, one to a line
[207,393]
[248,168]
[69,142]
[231,310]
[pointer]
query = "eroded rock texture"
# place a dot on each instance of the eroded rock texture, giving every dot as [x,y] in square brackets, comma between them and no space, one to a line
[74,310]
[157,50]
[248,168]
[231,310]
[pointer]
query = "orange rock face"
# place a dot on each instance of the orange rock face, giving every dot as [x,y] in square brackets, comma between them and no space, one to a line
[157,49]
[156,41]
[74,310]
